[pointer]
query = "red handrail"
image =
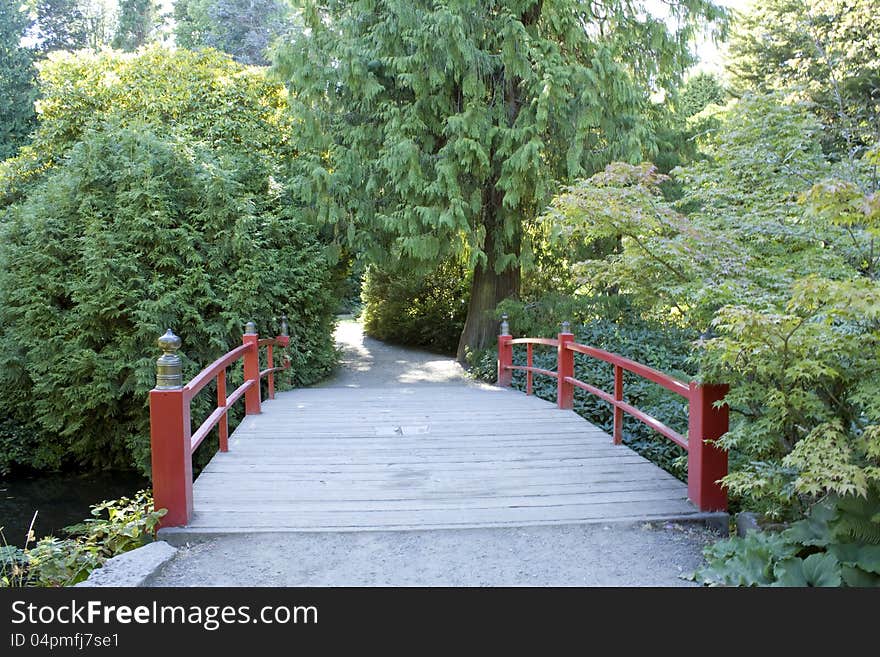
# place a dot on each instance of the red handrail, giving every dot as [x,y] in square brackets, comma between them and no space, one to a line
[707,419]
[172,440]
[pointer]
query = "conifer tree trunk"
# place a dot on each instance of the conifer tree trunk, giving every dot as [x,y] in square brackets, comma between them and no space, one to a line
[489,287]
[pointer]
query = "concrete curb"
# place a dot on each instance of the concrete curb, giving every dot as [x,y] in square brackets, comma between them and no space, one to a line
[718,521]
[134,568]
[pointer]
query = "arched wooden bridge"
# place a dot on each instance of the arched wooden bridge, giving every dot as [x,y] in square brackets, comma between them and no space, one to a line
[408,456]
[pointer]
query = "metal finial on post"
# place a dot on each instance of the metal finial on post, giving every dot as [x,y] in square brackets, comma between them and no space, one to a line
[250,328]
[169,373]
[566,327]
[284,328]
[505,327]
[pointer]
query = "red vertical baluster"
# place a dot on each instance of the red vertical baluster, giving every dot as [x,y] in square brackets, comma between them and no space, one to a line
[223,425]
[271,373]
[529,372]
[618,412]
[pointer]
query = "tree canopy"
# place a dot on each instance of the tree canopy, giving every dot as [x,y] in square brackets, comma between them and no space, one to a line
[17,77]
[823,51]
[243,28]
[435,128]
[138,20]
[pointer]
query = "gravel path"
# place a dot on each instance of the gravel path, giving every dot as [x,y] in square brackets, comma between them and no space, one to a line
[571,555]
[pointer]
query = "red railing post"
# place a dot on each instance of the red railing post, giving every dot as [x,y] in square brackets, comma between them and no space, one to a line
[505,354]
[170,437]
[565,368]
[252,369]
[707,463]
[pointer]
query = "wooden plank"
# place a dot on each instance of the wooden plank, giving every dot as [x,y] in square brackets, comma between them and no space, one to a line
[390,453]
[426,442]
[317,493]
[271,520]
[537,477]
[433,503]
[269,464]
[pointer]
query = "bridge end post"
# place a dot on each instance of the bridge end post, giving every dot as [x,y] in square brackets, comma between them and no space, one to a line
[565,368]
[170,437]
[707,463]
[252,369]
[505,354]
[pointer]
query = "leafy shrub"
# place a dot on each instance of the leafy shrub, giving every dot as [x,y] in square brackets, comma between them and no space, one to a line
[661,347]
[805,394]
[129,523]
[425,310]
[836,544]
[20,443]
[133,234]
[152,197]
[201,97]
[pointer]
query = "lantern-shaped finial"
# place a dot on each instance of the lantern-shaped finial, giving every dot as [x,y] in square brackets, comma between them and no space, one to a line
[169,373]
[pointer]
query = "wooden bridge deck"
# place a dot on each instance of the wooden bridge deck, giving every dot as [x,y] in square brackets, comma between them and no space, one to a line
[409,457]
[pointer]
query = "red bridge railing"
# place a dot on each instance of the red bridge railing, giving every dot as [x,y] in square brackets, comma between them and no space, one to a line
[172,440]
[707,464]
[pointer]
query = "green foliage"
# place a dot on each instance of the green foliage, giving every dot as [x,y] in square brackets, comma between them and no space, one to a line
[663,347]
[736,233]
[20,443]
[243,28]
[655,259]
[61,25]
[201,97]
[51,561]
[776,270]
[138,21]
[805,382]
[824,51]
[17,79]
[116,233]
[698,93]
[132,234]
[425,310]
[448,125]
[69,25]
[822,549]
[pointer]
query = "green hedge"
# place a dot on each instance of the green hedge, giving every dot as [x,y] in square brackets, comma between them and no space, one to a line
[407,307]
[134,233]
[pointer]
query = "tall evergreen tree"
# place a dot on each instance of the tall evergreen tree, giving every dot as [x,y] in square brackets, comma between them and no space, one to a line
[699,92]
[138,20]
[17,79]
[61,25]
[437,127]
[243,28]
